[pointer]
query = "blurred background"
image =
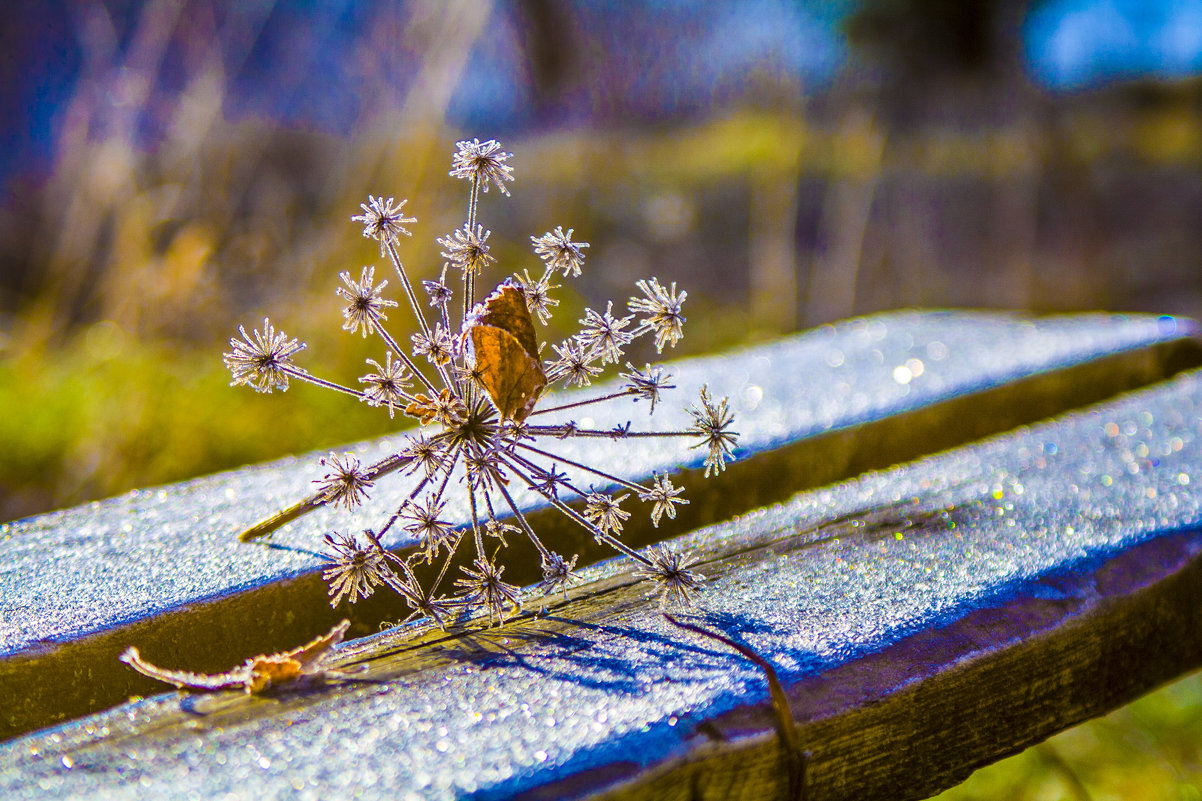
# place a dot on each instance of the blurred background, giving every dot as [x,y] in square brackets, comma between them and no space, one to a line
[174,168]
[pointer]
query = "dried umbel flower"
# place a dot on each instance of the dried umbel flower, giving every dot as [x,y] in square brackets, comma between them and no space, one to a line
[473,379]
[386,386]
[383,220]
[346,483]
[355,571]
[264,362]
[712,422]
[366,308]
[466,250]
[481,162]
[557,574]
[559,252]
[605,512]
[663,307]
[675,583]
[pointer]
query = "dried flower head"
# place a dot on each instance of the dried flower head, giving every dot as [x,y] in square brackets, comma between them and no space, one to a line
[346,482]
[482,586]
[559,252]
[712,422]
[355,571]
[422,520]
[664,497]
[538,294]
[481,162]
[676,584]
[386,386]
[440,294]
[558,574]
[366,305]
[605,511]
[265,362]
[575,364]
[425,453]
[467,250]
[474,379]
[646,384]
[663,307]
[438,346]
[383,220]
[603,334]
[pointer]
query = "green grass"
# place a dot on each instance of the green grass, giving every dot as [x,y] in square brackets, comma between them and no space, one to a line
[1149,750]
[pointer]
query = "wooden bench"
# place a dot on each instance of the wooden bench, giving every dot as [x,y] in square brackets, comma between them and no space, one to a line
[962,599]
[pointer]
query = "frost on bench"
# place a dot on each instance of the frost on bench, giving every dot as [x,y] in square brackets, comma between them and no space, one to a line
[924,619]
[161,569]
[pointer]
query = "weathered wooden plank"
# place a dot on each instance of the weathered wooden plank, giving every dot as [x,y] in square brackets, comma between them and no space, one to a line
[160,567]
[925,619]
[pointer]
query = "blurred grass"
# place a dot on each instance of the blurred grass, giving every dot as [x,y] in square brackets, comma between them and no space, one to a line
[1149,750]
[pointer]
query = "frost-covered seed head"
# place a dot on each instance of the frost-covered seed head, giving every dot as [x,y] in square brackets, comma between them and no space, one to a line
[676,584]
[354,571]
[663,497]
[387,385]
[483,587]
[383,220]
[604,334]
[663,309]
[605,512]
[366,306]
[559,252]
[537,294]
[466,249]
[646,384]
[558,574]
[482,162]
[712,423]
[262,362]
[346,483]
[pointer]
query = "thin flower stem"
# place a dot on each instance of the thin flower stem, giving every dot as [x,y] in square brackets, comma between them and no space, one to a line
[417,309]
[468,291]
[301,508]
[446,565]
[401,509]
[533,468]
[282,518]
[558,431]
[446,314]
[469,278]
[574,515]
[395,347]
[575,404]
[615,479]
[421,319]
[471,494]
[301,375]
[389,464]
[492,513]
[525,525]
[473,202]
[450,469]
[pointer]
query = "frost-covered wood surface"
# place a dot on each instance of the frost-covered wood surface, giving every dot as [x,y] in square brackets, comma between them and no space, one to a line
[925,619]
